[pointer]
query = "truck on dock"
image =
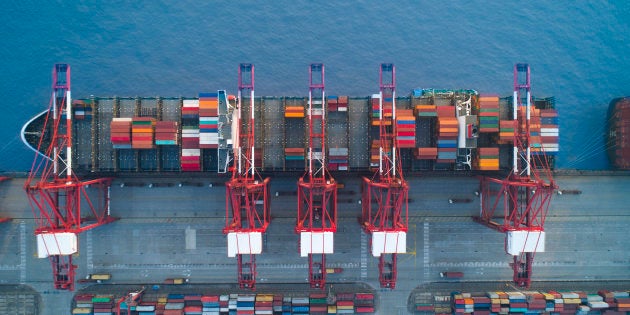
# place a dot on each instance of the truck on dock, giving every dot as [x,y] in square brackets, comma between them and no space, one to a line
[452,274]
[96,277]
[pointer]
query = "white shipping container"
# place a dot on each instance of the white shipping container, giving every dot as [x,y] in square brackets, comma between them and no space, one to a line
[53,244]
[244,243]
[299,301]
[121,119]
[191,103]
[525,242]
[145,308]
[246,298]
[389,243]
[316,243]
[191,152]
[552,130]
[342,109]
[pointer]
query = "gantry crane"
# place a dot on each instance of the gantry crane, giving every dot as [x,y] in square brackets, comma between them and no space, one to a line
[56,194]
[247,202]
[317,190]
[385,208]
[524,196]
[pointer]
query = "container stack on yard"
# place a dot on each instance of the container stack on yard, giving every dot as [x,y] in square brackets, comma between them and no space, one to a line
[166,133]
[318,304]
[93,304]
[487,159]
[405,128]
[208,120]
[245,304]
[142,131]
[447,134]
[83,304]
[364,303]
[488,113]
[300,305]
[120,133]
[210,304]
[174,304]
[190,153]
[534,302]
[549,131]
[345,303]
[338,159]
[294,112]
[264,304]
[277,303]
[193,304]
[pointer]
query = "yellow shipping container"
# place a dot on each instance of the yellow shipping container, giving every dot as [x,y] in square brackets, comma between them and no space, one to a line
[264,298]
[81,310]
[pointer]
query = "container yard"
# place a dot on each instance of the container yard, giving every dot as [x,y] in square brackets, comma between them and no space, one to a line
[249,204]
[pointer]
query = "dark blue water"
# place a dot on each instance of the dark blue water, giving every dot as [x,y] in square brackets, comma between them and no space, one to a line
[577,53]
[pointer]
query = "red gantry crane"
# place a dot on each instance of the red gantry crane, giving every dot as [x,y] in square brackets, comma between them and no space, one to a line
[524,196]
[317,190]
[385,205]
[59,200]
[247,202]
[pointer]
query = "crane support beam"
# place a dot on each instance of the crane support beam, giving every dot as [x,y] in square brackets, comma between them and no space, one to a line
[247,193]
[62,204]
[518,204]
[317,189]
[385,199]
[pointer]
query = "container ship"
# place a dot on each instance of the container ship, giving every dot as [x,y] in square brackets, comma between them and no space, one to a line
[437,130]
[618,143]
[443,131]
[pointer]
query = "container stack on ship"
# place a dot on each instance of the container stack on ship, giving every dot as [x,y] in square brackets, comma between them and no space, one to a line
[438,130]
[618,141]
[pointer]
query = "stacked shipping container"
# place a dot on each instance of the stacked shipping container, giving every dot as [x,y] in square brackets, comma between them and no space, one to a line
[506,131]
[488,113]
[294,154]
[487,159]
[338,159]
[535,302]
[208,120]
[190,157]
[426,110]
[166,133]
[197,304]
[294,112]
[120,133]
[337,103]
[447,134]
[387,110]
[549,131]
[405,128]
[142,130]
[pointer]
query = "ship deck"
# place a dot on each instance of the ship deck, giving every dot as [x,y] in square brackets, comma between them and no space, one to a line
[351,129]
